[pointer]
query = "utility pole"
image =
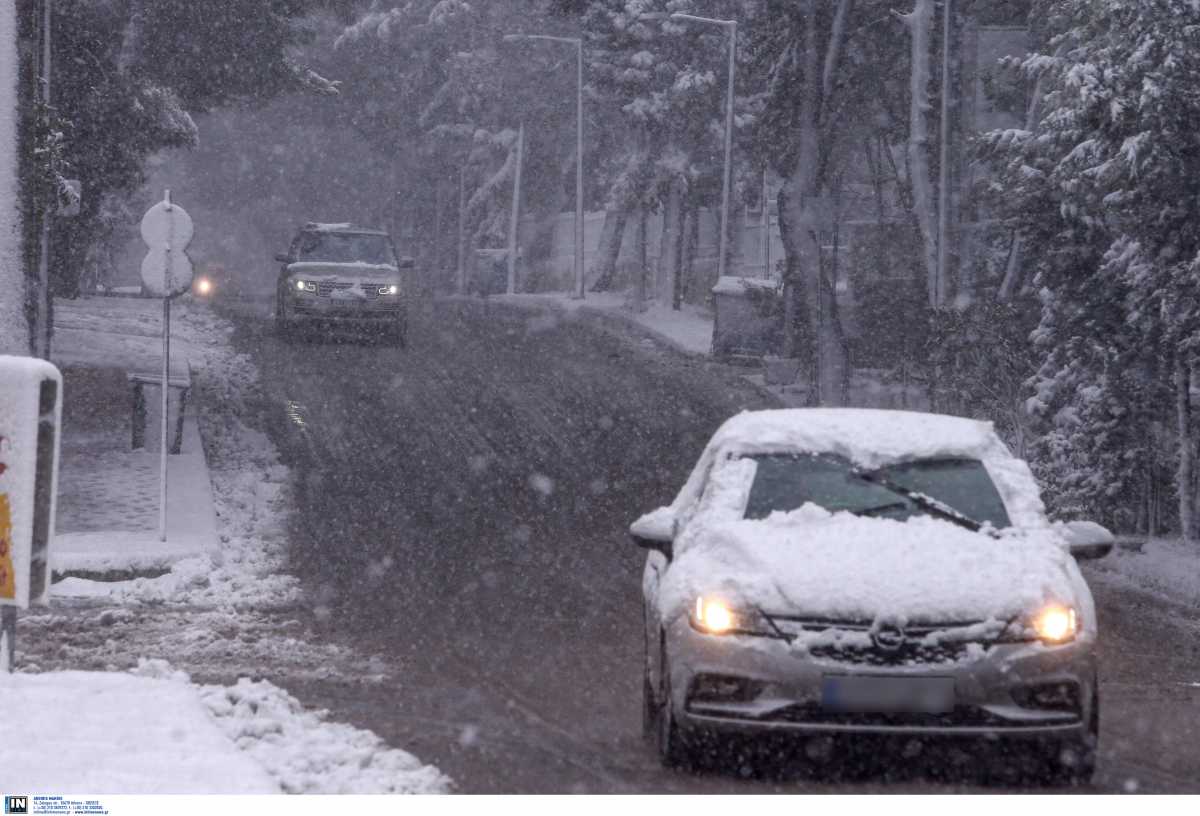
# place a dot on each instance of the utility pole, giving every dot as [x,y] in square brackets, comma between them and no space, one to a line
[943,272]
[578,43]
[462,241]
[43,302]
[516,213]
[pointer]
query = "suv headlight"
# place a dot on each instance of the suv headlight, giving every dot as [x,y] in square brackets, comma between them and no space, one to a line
[305,286]
[1056,624]
[391,289]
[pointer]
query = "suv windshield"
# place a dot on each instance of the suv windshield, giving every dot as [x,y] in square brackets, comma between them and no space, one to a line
[784,482]
[340,247]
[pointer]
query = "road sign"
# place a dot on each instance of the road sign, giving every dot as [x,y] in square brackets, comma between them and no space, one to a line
[167,230]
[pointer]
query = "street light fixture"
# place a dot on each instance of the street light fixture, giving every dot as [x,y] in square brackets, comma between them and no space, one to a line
[731,26]
[578,43]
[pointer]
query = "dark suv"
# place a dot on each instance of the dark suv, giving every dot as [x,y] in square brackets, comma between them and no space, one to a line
[345,275]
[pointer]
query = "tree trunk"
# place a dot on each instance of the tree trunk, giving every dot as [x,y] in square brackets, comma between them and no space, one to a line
[689,242]
[799,223]
[1183,479]
[640,272]
[920,23]
[609,249]
[672,244]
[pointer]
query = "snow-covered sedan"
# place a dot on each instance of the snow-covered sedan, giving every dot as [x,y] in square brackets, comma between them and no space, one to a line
[843,571]
[340,274]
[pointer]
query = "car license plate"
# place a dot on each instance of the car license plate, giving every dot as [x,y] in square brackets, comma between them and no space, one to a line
[887,695]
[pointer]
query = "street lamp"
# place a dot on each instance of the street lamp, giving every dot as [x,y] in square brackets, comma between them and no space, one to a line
[578,43]
[731,26]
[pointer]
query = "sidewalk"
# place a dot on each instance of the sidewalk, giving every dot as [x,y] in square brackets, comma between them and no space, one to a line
[108,511]
[688,330]
[153,731]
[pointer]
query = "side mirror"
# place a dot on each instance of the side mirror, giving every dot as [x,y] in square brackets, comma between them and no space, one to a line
[407,263]
[1087,539]
[282,258]
[655,531]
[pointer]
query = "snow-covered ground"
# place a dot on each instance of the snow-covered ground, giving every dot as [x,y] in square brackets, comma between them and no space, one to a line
[1165,566]
[689,329]
[152,731]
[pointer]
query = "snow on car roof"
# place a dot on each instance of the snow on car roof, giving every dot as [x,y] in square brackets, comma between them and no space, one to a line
[314,226]
[868,437]
[873,438]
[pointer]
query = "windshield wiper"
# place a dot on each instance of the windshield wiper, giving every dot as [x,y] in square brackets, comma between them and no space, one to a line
[880,508]
[927,503]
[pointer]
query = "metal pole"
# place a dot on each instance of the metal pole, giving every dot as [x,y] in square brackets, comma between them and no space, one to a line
[766,227]
[43,304]
[462,214]
[516,213]
[944,169]
[580,288]
[8,638]
[166,378]
[724,242]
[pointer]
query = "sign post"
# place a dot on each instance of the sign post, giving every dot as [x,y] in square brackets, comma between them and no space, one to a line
[30,414]
[166,272]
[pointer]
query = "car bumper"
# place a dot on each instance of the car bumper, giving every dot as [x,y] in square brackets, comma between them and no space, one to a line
[324,309]
[788,685]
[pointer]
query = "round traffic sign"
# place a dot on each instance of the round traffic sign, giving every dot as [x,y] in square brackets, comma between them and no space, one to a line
[167,230]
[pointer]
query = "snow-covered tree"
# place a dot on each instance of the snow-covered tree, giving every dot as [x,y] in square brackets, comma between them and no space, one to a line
[1104,190]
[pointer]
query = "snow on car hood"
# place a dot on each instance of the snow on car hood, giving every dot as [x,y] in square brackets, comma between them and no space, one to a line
[845,567]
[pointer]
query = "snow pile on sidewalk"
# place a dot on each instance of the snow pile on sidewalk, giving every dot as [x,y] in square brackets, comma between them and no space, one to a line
[152,731]
[249,490]
[301,750]
[1166,566]
[96,732]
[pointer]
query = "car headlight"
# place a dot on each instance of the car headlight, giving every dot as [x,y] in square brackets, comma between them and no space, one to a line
[1056,624]
[306,286]
[393,289]
[714,616]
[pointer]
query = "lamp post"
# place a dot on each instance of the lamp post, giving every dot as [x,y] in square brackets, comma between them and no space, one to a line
[731,27]
[578,43]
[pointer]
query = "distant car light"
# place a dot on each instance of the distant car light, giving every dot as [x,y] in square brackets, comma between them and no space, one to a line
[204,287]
[1056,624]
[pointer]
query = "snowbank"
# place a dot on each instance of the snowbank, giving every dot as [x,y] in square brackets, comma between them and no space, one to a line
[152,731]
[95,732]
[1165,566]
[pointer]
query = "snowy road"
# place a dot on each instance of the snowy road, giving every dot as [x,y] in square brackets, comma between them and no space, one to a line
[461,512]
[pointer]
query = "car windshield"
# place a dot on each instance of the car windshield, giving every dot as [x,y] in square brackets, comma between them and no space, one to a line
[785,482]
[340,247]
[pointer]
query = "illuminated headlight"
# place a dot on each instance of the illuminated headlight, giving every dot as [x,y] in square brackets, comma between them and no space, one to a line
[389,290]
[1056,624]
[306,286]
[716,617]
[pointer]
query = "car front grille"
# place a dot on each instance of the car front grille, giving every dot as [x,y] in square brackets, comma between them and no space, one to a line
[325,288]
[908,654]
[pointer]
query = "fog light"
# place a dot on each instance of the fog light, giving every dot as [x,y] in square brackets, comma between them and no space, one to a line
[721,688]
[1062,696]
